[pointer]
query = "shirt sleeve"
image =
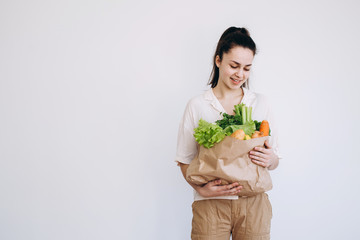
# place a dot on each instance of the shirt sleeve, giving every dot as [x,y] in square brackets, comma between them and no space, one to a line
[273,140]
[186,145]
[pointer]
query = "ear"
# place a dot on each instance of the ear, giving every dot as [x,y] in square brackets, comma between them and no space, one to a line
[217,60]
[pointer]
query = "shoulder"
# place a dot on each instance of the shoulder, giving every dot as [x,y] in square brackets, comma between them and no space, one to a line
[199,101]
[262,98]
[260,103]
[253,97]
[194,109]
[250,94]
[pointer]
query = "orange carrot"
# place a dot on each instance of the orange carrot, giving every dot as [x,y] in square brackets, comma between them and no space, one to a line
[264,128]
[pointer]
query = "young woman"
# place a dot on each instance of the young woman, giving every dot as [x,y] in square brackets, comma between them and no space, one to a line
[218,211]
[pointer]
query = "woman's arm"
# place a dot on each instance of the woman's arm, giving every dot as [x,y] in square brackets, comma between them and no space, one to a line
[184,168]
[267,156]
[213,188]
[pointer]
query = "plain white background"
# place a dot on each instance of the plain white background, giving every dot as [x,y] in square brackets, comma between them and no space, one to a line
[92,93]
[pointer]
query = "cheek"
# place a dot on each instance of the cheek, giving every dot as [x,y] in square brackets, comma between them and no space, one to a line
[224,72]
[229,71]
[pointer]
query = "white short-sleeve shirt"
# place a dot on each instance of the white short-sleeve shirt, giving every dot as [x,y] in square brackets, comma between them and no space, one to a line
[208,107]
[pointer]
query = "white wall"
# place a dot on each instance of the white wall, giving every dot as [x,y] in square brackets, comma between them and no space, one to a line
[92,92]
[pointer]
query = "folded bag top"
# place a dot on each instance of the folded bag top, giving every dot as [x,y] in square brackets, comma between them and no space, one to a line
[229,161]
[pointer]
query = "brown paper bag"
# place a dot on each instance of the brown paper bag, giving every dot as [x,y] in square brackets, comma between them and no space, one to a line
[230,162]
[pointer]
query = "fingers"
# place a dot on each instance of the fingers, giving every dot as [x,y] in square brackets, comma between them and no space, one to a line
[261,156]
[215,182]
[213,189]
[229,186]
[233,191]
[257,155]
[230,189]
[261,149]
[264,163]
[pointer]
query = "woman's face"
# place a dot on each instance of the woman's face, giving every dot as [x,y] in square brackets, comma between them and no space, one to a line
[234,68]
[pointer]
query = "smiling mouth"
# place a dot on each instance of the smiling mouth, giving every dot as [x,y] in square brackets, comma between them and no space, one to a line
[236,80]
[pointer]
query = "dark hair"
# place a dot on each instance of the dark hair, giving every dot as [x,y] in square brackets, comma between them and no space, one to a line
[232,37]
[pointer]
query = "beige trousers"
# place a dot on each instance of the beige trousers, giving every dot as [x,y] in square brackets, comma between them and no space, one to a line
[247,218]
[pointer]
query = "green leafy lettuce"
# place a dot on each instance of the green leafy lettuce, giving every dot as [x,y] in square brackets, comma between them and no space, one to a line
[249,128]
[207,134]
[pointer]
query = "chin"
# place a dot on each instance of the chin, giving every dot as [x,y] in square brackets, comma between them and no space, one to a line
[238,86]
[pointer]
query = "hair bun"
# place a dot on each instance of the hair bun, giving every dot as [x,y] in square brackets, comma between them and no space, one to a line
[244,31]
[231,30]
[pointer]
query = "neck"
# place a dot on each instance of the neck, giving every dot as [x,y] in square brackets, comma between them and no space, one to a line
[222,92]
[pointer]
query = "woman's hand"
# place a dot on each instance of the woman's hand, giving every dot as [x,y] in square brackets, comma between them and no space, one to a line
[214,189]
[264,156]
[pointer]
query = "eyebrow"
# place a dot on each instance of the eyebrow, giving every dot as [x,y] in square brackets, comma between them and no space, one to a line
[240,64]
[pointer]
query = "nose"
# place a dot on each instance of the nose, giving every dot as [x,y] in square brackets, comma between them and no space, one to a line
[240,73]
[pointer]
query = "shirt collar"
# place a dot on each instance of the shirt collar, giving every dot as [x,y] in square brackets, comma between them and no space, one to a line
[210,96]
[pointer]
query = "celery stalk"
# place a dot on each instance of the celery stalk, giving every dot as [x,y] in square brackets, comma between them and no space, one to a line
[237,110]
[247,114]
[250,115]
[243,111]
